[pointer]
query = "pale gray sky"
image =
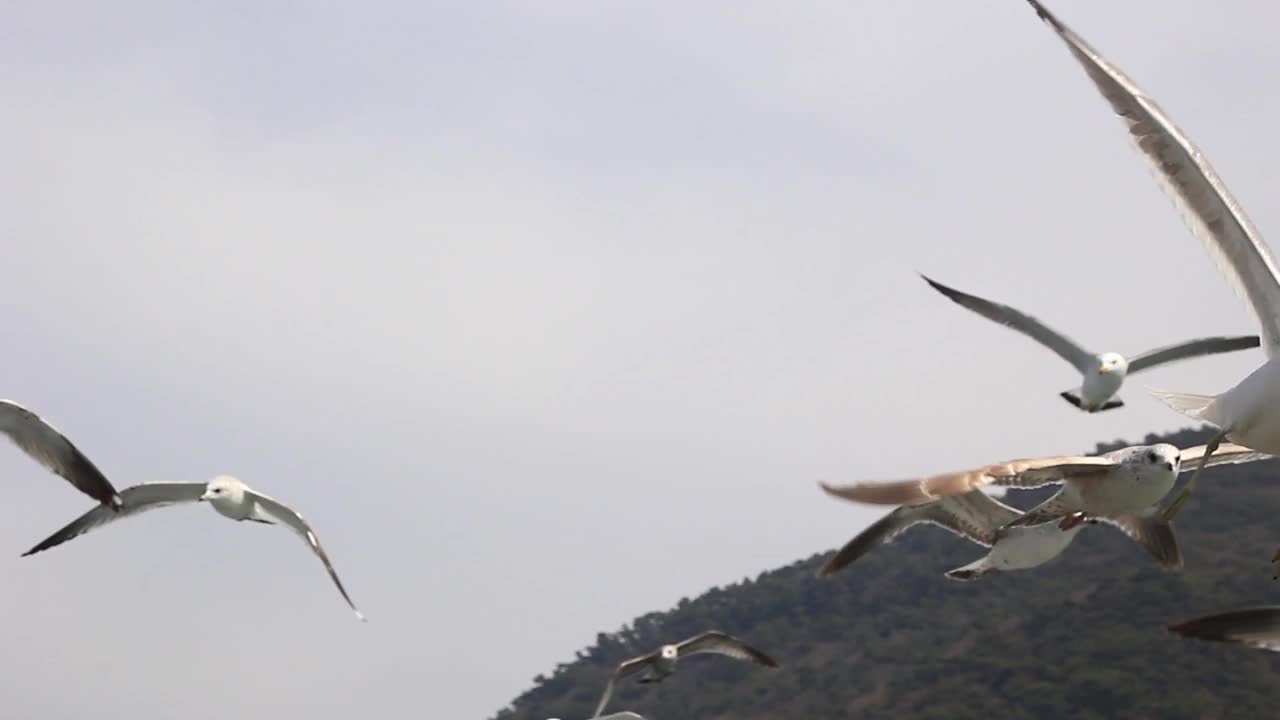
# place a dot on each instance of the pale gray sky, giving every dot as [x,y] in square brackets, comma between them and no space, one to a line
[506,296]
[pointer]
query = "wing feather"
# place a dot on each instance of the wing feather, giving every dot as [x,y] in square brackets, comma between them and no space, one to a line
[1256,627]
[1206,206]
[134,500]
[43,443]
[1028,473]
[1015,319]
[272,510]
[714,641]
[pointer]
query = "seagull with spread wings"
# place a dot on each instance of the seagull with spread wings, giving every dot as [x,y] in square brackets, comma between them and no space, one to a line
[1102,373]
[660,663]
[1127,481]
[43,443]
[229,496]
[1249,412]
[982,519]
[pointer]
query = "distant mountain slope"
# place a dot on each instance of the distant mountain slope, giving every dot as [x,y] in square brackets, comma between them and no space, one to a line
[1081,637]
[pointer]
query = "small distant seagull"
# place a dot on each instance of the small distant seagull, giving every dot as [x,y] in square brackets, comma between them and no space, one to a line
[1103,373]
[1122,482]
[1249,412]
[229,496]
[660,663]
[1256,627]
[980,518]
[43,443]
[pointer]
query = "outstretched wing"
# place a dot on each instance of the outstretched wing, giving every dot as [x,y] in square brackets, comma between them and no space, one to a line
[1028,473]
[974,516]
[43,443]
[1256,627]
[714,641]
[1065,347]
[1226,454]
[1155,534]
[271,510]
[134,500]
[625,669]
[1190,349]
[1185,174]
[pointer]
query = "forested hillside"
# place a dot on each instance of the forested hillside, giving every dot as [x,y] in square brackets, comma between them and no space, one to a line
[1081,637]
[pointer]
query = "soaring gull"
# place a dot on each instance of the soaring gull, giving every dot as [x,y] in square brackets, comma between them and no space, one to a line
[1256,627]
[229,496]
[43,443]
[660,663]
[980,518]
[1127,481]
[1102,373]
[1249,412]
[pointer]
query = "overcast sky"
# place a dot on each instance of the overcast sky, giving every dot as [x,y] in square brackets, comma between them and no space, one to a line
[549,314]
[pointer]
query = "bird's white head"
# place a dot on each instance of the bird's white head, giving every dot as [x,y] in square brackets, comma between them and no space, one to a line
[224,490]
[669,652]
[1112,364]
[1164,456]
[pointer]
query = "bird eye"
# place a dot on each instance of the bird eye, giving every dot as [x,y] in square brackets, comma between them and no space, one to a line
[1153,457]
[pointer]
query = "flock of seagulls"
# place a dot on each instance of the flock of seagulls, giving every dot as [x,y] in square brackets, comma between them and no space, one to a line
[1125,489]
[1128,489]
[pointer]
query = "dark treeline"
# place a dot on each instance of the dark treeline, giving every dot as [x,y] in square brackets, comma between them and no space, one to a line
[1082,637]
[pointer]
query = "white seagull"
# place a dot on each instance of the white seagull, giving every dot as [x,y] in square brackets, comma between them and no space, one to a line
[229,496]
[1102,373]
[1127,481]
[1256,627]
[43,443]
[1249,413]
[660,663]
[980,518]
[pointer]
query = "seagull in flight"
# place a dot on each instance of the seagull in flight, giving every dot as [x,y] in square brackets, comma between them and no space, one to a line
[1249,412]
[982,519]
[1102,373]
[228,495]
[660,663]
[43,443]
[1127,481]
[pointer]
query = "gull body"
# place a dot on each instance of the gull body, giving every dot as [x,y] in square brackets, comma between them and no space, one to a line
[984,520]
[1249,412]
[1102,374]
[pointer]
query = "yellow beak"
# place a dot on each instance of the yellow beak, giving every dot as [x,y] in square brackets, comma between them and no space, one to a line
[1104,370]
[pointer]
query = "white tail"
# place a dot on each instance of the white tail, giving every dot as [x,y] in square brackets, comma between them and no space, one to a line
[1199,407]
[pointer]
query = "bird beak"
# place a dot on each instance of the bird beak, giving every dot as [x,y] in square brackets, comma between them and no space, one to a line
[1104,370]
[203,497]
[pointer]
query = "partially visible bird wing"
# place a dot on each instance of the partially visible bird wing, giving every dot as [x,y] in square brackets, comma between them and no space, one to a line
[1226,454]
[1190,349]
[974,516]
[1256,627]
[1184,173]
[625,669]
[1155,534]
[714,641]
[1029,473]
[1065,347]
[134,500]
[271,510]
[43,443]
